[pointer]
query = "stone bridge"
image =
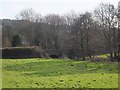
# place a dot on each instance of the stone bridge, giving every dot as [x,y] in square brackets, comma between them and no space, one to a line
[53,53]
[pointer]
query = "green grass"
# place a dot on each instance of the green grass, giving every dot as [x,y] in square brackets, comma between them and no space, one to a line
[105,56]
[0,74]
[51,73]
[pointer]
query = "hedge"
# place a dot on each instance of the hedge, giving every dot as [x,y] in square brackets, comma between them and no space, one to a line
[21,52]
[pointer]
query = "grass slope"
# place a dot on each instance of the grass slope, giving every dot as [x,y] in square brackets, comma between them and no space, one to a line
[51,73]
[0,74]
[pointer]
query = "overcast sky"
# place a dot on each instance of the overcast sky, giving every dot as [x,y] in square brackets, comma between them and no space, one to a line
[9,8]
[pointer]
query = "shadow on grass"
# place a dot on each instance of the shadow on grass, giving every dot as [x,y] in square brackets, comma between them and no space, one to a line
[59,68]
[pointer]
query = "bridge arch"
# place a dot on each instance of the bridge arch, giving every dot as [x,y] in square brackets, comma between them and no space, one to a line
[53,53]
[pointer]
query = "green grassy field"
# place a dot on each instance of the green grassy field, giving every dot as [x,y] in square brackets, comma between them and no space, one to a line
[56,73]
[0,74]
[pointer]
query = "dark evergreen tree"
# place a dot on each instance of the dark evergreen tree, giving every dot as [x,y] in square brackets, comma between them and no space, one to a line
[16,41]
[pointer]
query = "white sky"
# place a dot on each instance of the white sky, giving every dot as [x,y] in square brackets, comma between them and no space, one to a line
[9,8]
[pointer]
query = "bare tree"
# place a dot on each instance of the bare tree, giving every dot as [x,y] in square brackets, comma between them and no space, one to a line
[118,16]
[27,14]
[31,25]
[55,23]
[105,14]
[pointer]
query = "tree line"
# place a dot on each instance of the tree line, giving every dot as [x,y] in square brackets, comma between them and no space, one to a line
[74,34]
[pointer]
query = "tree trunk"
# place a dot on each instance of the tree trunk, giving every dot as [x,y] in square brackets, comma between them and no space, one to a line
[115,54]
[83,58]
[90,56]
[111,55]
[119,50]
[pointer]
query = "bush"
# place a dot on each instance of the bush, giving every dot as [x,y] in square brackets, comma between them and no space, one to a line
[16,41]
[22,52]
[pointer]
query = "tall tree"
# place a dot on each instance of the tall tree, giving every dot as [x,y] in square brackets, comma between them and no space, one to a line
[55,23]
[118,16]
[27,14]
[105,14]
